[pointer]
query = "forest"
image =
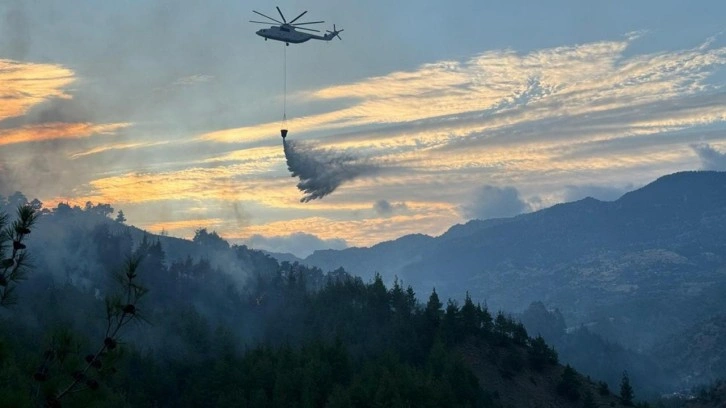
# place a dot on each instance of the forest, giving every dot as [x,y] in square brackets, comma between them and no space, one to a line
[97,313]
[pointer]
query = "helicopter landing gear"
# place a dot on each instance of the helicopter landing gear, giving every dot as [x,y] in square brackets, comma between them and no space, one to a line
[287,44]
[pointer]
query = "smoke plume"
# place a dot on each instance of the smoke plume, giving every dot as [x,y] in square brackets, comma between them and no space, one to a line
[321,171]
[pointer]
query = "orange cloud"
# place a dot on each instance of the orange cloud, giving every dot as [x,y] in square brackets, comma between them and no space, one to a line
[57,130]
[23,85]
[116,146]
[183,225]
[359,232]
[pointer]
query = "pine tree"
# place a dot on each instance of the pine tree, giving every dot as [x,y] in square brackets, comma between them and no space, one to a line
[569,385]
[626,390]
[433,310]
[13,256]
[120,217]
[469,317]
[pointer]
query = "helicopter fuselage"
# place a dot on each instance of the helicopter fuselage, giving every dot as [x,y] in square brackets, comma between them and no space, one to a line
[285,34]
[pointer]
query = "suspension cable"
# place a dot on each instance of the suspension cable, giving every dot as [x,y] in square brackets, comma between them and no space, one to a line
[284,87]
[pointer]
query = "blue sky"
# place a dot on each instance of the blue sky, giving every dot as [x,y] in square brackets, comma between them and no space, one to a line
[171,110]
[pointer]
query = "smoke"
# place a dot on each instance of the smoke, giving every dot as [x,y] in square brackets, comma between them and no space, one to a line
[3,180]
[711,159]
[16,38]
[385,208]
[321,171]
[240,215]
[494,202]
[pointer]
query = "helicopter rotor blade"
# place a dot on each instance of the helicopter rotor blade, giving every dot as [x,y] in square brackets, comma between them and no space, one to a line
[295,19]
[283,17]
[308,29]
[277,21]
[335,32]
[312,22]
[260,22]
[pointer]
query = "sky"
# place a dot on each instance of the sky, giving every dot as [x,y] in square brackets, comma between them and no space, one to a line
[425,115]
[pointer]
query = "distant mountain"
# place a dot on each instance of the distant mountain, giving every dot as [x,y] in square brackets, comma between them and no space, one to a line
[283,256]
[635,269]
[710,397]
[697,353]
[387,257]
[203,291]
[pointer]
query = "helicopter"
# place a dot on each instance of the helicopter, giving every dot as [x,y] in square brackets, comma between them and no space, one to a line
[287,31]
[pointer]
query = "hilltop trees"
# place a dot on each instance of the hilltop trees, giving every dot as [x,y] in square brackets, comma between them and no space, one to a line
[211,240]
[120,217]
[569,385]
[540,354]
[287,336]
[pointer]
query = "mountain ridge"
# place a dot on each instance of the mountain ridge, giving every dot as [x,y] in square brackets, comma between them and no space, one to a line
[585,257]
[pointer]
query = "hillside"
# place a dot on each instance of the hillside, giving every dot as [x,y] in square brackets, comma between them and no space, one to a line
[609,248]
[231,326]
[636,270]
[697,352]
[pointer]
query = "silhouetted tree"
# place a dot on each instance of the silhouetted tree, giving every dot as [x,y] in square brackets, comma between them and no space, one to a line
[36,205]
[487,323]
[540,354]
[212,240]
[469,317]
[13,256]
[519,333]
[603,388]
[569,385]
[450,324]
[121,309]
[626,390]
[120,217]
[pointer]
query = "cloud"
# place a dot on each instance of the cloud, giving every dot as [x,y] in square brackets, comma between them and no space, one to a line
[298,244]
[52,131]
[603,193]
[115,146]
[493,95]
[494,202]
[193,80]
[24,85]
[429,217]
[321,171]
[711,159]
[386,209]
[601,113]
[183,227]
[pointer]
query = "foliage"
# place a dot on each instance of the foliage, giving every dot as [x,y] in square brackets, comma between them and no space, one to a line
[62,358]
[626,390]
[212,240]
[602,388]
[120,217]
[569,385]
[13,255]
[284,335]
[540,354]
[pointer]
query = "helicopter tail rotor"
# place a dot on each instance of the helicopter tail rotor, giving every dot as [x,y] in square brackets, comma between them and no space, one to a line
[334,33]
